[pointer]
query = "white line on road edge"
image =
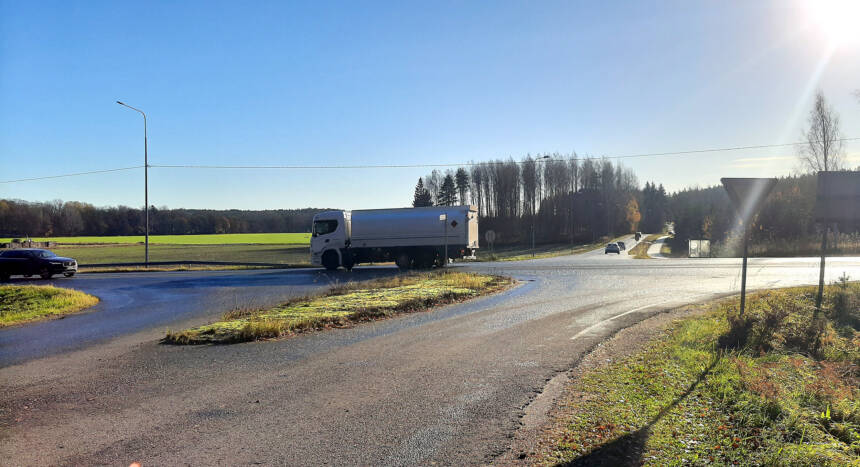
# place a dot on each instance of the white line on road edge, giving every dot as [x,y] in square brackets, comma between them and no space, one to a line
[617,316]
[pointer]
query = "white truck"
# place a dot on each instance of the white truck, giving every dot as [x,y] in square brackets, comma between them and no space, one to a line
[411,237]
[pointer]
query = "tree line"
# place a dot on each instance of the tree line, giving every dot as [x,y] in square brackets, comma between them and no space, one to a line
[554,197]
[57,218]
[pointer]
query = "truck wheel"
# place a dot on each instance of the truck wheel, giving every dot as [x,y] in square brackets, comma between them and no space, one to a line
[330,260]
[425,260]
[348,261]
[403,261]
[45,273]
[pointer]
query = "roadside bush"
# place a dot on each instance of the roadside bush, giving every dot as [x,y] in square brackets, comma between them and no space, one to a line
[776,321]
[844,303]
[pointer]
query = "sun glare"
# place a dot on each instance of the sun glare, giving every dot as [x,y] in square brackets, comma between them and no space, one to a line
[839,20]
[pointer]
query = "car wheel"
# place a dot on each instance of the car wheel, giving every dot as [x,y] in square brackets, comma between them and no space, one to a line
[68,274]
[330,260]
[45,274]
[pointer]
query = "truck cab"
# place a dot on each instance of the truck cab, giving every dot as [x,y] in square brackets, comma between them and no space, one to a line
[329,236]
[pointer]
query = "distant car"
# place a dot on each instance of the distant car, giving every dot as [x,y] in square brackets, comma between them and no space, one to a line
[31,261]
[622,246]
[612,248]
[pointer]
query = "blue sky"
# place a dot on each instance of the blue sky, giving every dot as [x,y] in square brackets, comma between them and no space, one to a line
[329,83]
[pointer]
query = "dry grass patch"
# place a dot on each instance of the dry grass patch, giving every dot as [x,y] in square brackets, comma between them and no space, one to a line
[640,251]
[24,303]
[343,305]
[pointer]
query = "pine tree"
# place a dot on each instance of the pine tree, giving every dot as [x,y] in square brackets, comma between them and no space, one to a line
[448,192]
[422,196]
[462,179]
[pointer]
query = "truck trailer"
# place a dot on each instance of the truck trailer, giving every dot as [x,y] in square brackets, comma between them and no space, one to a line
[411,237]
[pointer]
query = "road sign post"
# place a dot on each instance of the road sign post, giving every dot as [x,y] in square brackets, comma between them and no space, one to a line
[444,219]
[490,236]
[837,200]
[747,196]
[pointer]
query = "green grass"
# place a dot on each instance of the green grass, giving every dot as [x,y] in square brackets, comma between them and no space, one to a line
[776,387]
[342,305]
[640,251]
[280,254]
[23,303]
[215,239]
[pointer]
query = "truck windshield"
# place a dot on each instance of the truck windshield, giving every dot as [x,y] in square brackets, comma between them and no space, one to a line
[324,227]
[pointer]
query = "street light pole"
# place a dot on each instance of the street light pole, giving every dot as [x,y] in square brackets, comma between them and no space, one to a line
[145,181]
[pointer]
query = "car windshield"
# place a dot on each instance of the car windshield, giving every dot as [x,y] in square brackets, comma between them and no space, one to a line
[45,254]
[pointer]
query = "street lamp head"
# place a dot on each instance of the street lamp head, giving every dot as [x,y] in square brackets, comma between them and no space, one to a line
[120,103]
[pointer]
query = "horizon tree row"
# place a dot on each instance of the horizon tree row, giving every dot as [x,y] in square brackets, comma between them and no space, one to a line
[555,197]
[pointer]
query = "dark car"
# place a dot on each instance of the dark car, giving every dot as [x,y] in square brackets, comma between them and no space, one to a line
[612,248]
[622,246]
[31,261]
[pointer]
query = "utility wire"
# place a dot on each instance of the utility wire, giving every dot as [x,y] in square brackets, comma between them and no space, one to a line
[467,164]
[73,174]
[411,166]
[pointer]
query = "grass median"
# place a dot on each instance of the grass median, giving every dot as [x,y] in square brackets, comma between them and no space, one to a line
[640,251]
[778,386]
[24,303]
[343,305]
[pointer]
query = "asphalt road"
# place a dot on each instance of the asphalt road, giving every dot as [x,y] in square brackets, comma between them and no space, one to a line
[447,386]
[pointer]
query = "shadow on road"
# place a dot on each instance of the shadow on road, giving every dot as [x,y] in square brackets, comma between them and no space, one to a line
[628,449]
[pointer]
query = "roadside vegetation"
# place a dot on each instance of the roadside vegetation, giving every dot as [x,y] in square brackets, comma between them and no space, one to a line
[342,306]
[24,303]
[640,251]
[778,386]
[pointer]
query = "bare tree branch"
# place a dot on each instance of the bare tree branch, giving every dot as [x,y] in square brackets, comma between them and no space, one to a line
[823,147]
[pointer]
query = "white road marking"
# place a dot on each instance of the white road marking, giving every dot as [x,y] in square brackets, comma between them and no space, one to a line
[580,333]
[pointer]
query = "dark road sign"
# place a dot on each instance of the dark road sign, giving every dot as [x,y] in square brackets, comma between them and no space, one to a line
[747,195]
[838,197]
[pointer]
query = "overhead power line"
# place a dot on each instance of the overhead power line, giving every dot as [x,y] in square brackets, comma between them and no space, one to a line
[412,166]
[119,169]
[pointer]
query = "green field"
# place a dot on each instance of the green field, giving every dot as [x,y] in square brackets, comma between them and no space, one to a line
[214,239]
[94,254]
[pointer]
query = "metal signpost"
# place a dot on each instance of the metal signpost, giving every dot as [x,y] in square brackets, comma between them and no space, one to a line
[490,236]
[747,196]
[837,201]
[444,219]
